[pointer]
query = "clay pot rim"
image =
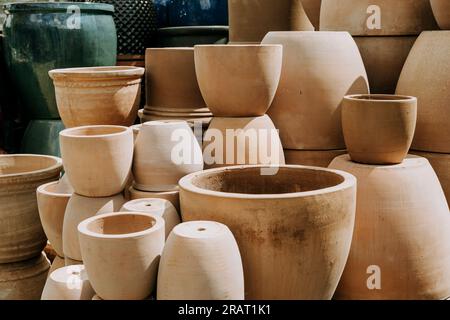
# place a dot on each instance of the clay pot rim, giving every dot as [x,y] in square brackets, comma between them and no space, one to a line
[244,47]
[168,110]
[57,165]
[96,73]
[419,161]
[43,190]
[67,133]
[164,123]
[132,189]
[186,184]
[380,98]
[182,230]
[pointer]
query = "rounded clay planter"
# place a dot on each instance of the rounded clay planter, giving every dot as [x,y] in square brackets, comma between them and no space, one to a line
[251,20]
[68,283]
[379,129]
[233,141]
[21,233]
[98,95]
[57,263]
[317,158]
[191,36]
[441,11]
[401,244]
[97,159]
[319,69]
[249,76]
[426,75]
[52,199]
[42,137]
[377,17]
[164,153]
[201,261]
[159,207]
[80,208]
[121,252]
[172,196]
[305,218]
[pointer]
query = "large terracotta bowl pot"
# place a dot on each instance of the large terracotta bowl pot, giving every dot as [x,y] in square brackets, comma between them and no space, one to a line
[441,10]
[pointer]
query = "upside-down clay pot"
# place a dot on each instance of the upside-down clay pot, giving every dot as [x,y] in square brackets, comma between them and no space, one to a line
[426,75]
[248,81]
[379,129]
[97,159]
[233,141]
[319,69]
[21,233]
[401,244]
[172,196]
[201,261]
[441,11]
[314,158]
[305,218]
[121,252]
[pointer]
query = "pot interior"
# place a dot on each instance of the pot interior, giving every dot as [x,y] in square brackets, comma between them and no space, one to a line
[121,224]
[380,97]
[58,188]
[10,165]
[94,131]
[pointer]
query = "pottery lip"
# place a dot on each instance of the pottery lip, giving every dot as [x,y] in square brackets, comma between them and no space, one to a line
[169,123]
[381,98]
[30,7]
[97,73]
[56,166]
[146,205]
[200,229]
[44,191]
[67,133]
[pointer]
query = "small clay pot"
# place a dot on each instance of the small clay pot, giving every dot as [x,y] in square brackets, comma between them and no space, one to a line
[313,158]
[379,129]
[172,196]
[441,11]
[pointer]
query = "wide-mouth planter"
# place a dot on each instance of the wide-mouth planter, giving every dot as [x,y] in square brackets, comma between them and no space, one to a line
[191,36]
[305,224]
[441,11]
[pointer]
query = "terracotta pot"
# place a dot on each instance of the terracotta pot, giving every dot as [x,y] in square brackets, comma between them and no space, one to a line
[57,263]
[80,208]
[172,196]
[441,11]
[52,201]
[312,9]
[68,283]
[305,218]
[319,69]
[426,75]
[232,141]
[249,76]
[23,280]
[97,159]
[165,152]
[379,129]
[121,252]
[316,158]
[401,230]
[201,261]
[250,20]
[21,233]
[159,207]
[377,17]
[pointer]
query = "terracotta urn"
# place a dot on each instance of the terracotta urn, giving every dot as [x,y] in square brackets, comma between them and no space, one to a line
[121,252]
[21,233]
[379,129]
[201,261]
[305,218]
[248,81]
[165,152]
[441,11]
[314,158]
[68,283]
[80,208]
[58,262]
[426,75]
[98,95]
[319,69]
[401,244]
[97,159]
[250,140]
[171,196]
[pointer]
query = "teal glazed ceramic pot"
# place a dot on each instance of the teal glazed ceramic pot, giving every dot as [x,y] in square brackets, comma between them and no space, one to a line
[40,37]
[42,137]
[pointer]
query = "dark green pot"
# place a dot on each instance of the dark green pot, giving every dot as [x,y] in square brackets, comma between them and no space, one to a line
[42,137]
[40,37]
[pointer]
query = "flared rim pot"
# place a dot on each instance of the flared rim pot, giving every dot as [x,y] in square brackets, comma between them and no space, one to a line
[34,7]
[381,98]
[97,73]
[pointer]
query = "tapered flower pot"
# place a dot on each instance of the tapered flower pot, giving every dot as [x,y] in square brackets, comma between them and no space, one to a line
[379,129]
[401,244]
[201,261]
[21,233]
[121,252]
[97,159]
[172,196]
[249,76]
[317,158]
[441,11]
[319,69]
[305,218]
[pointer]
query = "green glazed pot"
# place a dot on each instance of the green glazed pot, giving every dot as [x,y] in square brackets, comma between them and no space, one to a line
[42,137]
[40,37]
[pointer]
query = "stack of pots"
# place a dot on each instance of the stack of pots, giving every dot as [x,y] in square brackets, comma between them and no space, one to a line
[384,31]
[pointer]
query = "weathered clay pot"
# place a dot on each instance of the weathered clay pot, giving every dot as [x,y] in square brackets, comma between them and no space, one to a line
[315,158]
[319,69]
[305,218]
[23,280]
[426,75]
[80,208]
[250,20]
[121,252]
[165,152]
[159,207]
[52,201]
[201,261]
[97,159]
[248,81]
[377,17]
[233,141]
[21,233]
[172,196]
[401,233]
[57,263]
[98,95]
[68,283]
[441,11]
[379,129]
